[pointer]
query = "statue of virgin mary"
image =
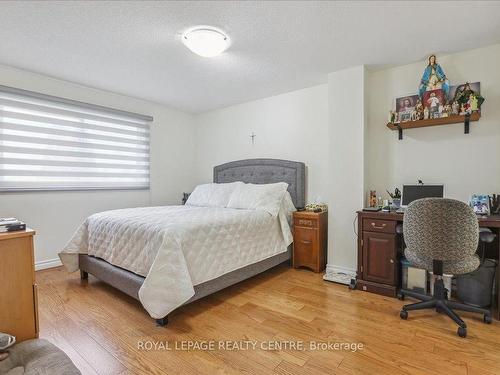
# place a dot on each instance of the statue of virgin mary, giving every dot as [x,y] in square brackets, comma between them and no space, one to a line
[433,78]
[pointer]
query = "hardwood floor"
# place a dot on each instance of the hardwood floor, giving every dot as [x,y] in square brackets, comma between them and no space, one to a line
[102,330]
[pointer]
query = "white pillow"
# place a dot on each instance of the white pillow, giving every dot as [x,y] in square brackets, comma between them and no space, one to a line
[212,195]
[266,197]
[221,193]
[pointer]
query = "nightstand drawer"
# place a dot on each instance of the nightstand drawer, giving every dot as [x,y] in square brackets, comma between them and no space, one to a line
[305,237]
[305,244]
[306,222]
[376,225]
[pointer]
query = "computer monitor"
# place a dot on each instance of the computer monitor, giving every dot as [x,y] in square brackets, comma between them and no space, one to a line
[414,192]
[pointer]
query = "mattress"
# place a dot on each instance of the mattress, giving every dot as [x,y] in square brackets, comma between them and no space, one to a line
[178,247]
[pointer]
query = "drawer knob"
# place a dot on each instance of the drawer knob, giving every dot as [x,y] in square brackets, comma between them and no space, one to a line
[392,261]
[378,226]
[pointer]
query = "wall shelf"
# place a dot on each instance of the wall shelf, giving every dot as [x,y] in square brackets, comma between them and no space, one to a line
[454,119]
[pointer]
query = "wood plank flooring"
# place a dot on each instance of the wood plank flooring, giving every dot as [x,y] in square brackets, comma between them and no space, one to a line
[102,330]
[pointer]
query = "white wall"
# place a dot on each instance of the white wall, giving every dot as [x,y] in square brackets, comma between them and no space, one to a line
[465,163]
[56,215]
[338,129]
[292,126]
[346,171]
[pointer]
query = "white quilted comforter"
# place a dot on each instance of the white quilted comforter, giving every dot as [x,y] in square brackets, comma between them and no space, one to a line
[177,247]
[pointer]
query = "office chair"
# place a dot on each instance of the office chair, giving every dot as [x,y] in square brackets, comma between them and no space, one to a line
[441,236]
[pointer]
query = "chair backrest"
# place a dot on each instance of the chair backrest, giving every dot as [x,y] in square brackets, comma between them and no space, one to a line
[441,229]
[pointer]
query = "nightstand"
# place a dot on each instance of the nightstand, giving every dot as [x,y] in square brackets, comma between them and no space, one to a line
[310,238]
[18,289]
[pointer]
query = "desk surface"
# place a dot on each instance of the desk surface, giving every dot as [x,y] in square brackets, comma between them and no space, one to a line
[492,221]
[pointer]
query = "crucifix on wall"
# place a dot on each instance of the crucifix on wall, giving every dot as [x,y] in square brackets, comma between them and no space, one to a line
[253,135]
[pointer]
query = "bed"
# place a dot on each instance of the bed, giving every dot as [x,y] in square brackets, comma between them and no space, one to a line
[143,283]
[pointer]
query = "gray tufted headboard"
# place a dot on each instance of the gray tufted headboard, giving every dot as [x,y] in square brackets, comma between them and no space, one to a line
[266,171]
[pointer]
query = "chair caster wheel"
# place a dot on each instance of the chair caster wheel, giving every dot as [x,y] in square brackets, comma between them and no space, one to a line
[462,332]
[403,314]
[401,297]
[487,319]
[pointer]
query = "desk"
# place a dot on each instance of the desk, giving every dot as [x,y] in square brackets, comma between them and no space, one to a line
[379,269]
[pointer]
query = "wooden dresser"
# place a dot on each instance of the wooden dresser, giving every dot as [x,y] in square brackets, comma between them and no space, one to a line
[18,289]
[310,238]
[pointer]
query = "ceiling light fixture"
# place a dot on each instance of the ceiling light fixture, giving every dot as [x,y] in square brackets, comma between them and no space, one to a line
[205,41]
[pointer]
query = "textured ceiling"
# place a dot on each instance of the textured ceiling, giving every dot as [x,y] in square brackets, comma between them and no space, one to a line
[134,48]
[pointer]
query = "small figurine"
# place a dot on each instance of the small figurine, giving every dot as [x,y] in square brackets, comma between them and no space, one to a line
[373,198]
[433,78]
[473,103]
[467,108]
[392,116]
[463,110]
[446,111]
[419,108]
[414,115]
[426,113]
[455,108]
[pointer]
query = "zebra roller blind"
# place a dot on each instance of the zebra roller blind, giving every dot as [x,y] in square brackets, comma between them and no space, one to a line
[49,143]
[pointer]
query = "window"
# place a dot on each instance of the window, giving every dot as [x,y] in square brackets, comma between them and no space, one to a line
[49,143]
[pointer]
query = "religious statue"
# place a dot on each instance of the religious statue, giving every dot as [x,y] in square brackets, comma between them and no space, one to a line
[455,108]
[392,117]
[396,118]
[473,103]
[463,109]
[446,111]
[433,78]
[419,107]
[426,113]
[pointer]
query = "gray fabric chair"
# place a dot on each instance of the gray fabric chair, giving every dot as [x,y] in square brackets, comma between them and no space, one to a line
[441,236]
[37,357]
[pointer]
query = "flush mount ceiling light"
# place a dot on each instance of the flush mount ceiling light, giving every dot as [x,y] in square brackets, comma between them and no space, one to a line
[205,41]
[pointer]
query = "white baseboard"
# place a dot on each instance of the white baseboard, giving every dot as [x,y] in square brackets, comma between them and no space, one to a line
[44,264]
[340,269]
[338,274]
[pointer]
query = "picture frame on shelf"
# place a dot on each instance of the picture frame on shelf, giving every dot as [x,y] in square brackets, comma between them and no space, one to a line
[480,203]
[405,107]
[434,101]
[476,87]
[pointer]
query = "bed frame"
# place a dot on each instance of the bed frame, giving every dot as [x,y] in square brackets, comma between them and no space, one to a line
[258,171]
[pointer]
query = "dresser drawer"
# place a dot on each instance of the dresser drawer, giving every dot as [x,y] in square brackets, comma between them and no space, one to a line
[306,222]
[376,225]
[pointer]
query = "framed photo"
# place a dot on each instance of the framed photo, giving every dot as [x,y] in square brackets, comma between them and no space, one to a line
[405,105]
[434,101]
[480,203]
[476,86]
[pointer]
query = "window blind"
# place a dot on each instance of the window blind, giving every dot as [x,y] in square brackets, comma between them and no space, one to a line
[49,143]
